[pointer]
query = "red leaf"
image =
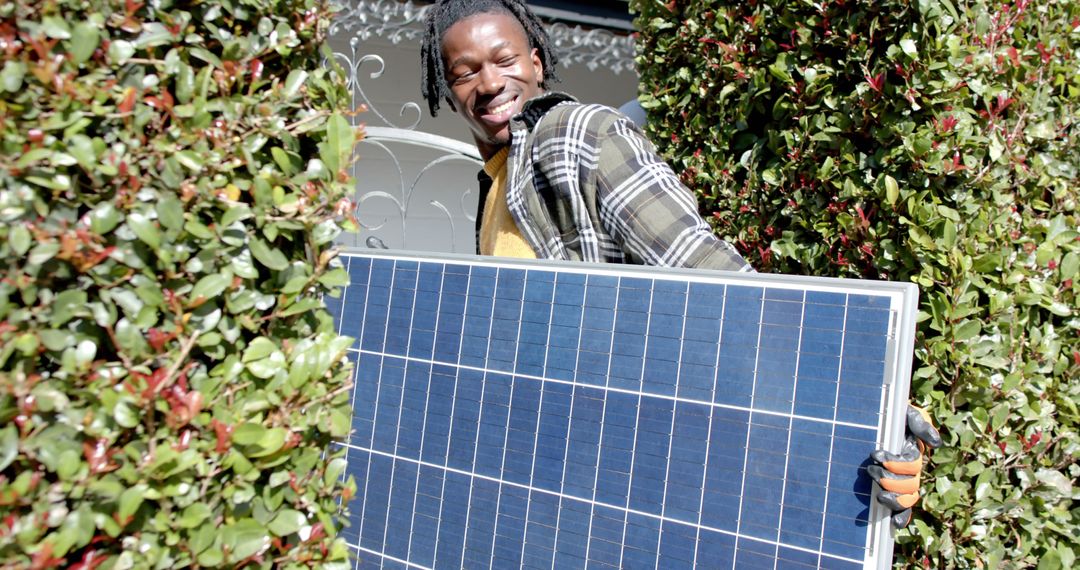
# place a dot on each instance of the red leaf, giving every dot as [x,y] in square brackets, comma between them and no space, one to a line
[256,67]
[877,82]
[128,104]
[1014,56]
[224,435]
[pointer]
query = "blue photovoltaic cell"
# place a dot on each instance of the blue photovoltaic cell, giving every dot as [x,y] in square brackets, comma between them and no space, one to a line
[552,417]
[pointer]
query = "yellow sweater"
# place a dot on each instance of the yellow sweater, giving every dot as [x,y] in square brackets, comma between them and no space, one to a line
[499,234]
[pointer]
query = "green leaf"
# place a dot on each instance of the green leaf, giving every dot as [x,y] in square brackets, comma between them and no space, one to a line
[948,236]
[170,212]
[1055,480]
[84,41]
[248,433]
[268,367]
[258,349]
[206,56]
[967,330]
[289,162]
[52,182]
[9,445]
[55,28]
[190,160]
[302,306]
[294,81]
[43,252]
[1050,561]
[82,148]
[11,78]
[909,48]
[57,340]
[19,239]
[125,414]
[340,138]
[270,257]
[892,190]
[130,501]
[185,83]
[104,218]
[195,516]
[245,538]
[210,286]
[287,522]
[1070,265]
[32,156]
[145,229]
[153,34]
[258,440]
[243,265]
[66,305]
[120,51]
[335,278]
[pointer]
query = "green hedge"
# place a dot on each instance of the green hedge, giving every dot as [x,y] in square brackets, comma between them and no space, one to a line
[171,178]
[930,141]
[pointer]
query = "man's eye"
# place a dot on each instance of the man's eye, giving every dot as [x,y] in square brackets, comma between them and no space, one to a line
[507,61]
[460,78]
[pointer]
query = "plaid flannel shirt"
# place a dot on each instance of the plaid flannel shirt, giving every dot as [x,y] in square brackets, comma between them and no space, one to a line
[583,183]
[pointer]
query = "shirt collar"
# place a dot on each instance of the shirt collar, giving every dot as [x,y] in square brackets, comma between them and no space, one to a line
[536,107]
[494,164]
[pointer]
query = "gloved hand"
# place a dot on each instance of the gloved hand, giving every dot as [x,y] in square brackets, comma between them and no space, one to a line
[899,475]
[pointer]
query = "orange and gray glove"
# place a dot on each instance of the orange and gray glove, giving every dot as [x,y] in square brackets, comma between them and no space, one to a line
[899,474]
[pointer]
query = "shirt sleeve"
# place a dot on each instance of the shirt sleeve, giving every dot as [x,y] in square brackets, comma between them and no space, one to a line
[645,206]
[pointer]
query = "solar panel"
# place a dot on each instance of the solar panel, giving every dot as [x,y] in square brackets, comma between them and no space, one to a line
[566,415]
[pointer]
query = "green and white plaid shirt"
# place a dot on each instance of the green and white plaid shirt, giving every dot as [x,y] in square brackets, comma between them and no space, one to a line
[583,183]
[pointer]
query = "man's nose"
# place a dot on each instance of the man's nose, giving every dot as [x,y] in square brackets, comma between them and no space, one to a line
[491,81]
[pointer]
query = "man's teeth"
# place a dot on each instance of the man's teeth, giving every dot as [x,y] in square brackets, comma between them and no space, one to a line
[501,108]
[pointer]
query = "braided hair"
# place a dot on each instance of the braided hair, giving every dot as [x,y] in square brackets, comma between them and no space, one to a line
[446,13]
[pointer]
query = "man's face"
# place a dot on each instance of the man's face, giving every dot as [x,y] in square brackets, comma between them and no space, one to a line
[491,72]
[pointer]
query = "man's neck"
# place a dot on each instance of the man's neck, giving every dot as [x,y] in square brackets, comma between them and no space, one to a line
[488,150]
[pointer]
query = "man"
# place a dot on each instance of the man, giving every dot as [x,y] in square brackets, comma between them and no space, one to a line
[563,180]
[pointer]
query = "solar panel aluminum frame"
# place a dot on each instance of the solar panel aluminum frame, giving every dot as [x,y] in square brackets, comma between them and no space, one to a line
[903,303]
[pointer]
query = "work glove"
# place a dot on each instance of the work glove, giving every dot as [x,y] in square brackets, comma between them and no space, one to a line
[899,474]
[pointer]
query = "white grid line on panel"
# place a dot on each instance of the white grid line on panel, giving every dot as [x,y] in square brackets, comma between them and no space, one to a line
[637,393]
[836,404]
[539,410]
[378,386]
[595,503]
[708,434]
[570,420]
[427,400]
[359,561]
[791,428]
[442,492]
[749,429]
[566,450]
[637,419]
[675,404]
[600,437]
[506,435]
[453,402]
[355,373]
[401,398]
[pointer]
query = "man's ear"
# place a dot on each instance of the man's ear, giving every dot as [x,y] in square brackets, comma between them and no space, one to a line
[538,66]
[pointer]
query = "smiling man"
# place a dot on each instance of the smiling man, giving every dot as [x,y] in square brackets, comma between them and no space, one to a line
[568,181]
[565,180]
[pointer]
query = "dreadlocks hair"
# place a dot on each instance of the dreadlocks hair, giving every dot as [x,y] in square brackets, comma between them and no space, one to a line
[446,13]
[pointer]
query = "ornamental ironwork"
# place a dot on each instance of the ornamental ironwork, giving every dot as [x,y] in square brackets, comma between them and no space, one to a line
[404,21]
